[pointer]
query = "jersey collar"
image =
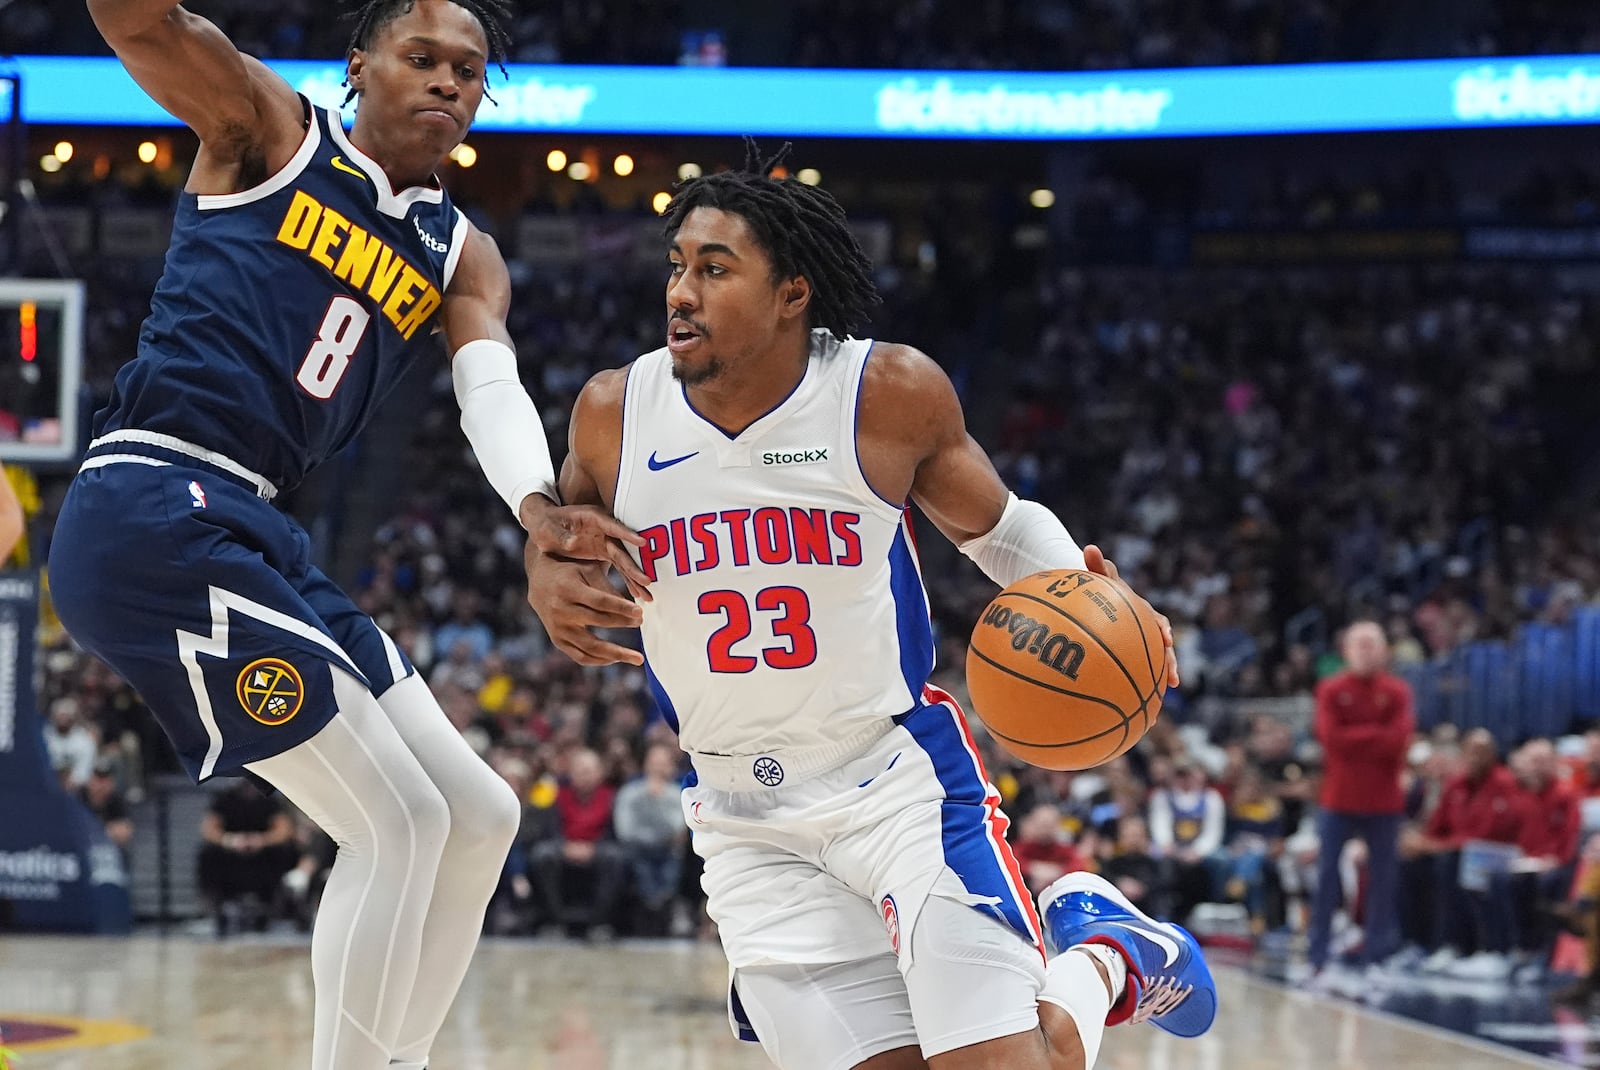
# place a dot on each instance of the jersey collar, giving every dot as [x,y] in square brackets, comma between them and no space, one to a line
[390,203]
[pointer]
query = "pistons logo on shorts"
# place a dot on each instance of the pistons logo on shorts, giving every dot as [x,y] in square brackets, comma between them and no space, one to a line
[891,921]
[768,771]
[271,691]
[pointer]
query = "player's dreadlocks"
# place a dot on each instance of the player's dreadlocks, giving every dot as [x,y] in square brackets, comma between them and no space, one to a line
[801,227]
[373,15]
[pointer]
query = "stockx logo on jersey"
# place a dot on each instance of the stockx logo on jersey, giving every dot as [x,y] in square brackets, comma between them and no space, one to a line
[365,261]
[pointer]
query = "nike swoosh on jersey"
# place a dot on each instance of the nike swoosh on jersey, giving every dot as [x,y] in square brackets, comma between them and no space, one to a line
[1165,943]
[340,165]
[657,465]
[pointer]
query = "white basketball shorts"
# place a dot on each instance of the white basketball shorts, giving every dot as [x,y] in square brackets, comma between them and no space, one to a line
[895,861]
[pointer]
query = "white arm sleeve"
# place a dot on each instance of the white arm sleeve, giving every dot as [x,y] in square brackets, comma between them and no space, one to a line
[501,423]
[1027,539]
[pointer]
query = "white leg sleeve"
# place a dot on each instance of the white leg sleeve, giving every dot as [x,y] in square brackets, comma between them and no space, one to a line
[484,816]
[1074,984]
[360,782]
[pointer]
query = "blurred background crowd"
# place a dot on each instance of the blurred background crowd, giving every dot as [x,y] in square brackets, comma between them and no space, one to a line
[1272,447]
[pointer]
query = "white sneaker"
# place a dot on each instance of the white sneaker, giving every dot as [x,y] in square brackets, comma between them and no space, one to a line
[1484,966]
[1440,961]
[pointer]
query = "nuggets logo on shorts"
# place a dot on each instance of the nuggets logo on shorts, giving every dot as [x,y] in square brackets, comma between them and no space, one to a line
[891,921]
[271,691]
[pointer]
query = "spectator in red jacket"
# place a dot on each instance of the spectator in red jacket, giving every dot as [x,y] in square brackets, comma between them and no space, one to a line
[585,848]
[1043,850]
[1482,802]
[1364,721]
[1551,825]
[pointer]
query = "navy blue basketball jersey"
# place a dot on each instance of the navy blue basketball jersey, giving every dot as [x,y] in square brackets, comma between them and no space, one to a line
[286,313]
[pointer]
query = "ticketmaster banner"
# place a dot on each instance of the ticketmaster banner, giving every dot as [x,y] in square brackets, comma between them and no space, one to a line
[1306,98]
[58,870]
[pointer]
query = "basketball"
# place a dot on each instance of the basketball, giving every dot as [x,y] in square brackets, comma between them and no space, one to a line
[1067,669]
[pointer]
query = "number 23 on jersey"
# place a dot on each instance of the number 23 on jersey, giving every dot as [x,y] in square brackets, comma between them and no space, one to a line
[790,623]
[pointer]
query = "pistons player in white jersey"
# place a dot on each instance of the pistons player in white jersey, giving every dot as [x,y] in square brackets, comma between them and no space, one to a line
[855,861]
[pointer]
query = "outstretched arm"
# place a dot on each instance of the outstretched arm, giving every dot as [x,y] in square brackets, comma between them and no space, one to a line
[242,111]
[503,425]
[573,598]
[914,443]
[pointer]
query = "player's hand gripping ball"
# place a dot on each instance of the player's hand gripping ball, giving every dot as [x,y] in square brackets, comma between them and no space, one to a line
[1067,669]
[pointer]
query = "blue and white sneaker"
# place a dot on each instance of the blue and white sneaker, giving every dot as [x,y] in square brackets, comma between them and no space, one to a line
[1169,984]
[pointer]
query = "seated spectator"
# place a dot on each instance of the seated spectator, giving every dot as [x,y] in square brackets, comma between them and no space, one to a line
[70,744]
[303,885]
[107,802]
[1252,840]
[1483,802]
[1043,850]
[650,828]
[512,907]
[583,847]
[1539,881]
[465,629]
[1187,821]
[1582,918]
[1132,868]
[248,847]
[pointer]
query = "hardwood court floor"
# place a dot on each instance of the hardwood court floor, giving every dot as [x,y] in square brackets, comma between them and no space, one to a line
[552,1006]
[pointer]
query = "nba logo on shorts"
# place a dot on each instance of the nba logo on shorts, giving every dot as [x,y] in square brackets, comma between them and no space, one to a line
[891,921]
[197,494]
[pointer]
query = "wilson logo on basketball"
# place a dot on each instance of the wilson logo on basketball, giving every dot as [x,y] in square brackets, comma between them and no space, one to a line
[1053,649]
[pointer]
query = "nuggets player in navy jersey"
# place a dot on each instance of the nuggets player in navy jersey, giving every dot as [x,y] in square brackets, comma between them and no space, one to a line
[855,858]
[309,268]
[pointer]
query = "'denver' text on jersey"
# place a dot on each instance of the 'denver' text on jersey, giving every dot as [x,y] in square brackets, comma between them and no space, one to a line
[287,312]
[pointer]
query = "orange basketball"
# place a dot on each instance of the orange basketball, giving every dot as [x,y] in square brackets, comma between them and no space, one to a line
[1067,669]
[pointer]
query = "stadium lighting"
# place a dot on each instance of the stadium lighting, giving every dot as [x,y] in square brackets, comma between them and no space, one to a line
[464,155]
[810,176]
[1042,198]
[556,161]
[64,151]
[688,171]
[147,152]
[623,165]
[660,201]
[580,171]
[50,164]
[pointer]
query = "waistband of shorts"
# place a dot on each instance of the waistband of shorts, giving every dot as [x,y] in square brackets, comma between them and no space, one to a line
[131,446]
[760,772]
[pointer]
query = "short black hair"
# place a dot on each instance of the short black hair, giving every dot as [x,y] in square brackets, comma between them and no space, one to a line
[802,228]
[373,15]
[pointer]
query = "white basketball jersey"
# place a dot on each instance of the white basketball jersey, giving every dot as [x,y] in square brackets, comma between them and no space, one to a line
[789,611]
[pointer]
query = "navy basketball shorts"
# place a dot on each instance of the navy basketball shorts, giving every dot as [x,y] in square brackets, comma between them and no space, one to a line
[203,596]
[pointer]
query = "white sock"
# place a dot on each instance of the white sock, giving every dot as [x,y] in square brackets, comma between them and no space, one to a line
[1116,966]
[1072,983]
